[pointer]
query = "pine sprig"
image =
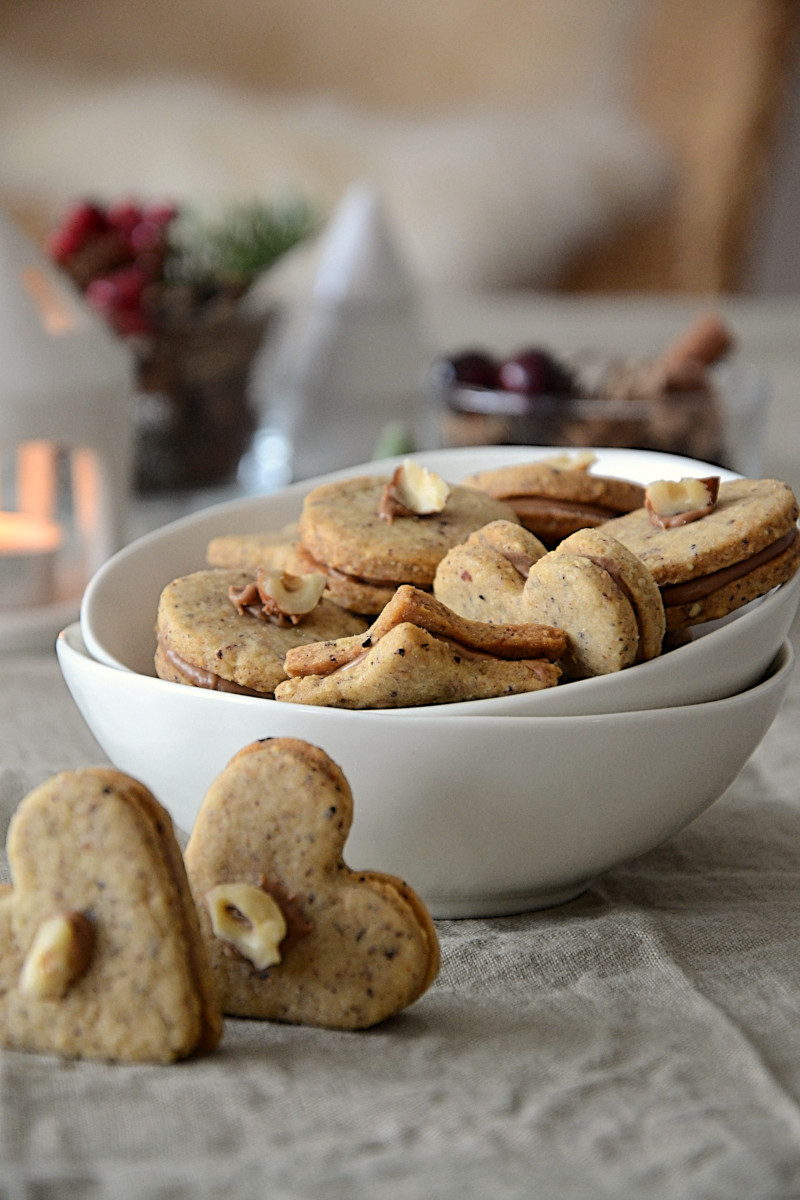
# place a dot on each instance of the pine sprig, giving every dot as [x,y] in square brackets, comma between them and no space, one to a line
[234,249]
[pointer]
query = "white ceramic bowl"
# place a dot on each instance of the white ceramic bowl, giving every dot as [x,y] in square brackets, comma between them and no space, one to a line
[119,606]
[482,817]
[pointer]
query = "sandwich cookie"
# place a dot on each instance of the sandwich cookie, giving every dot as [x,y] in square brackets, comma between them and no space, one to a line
[101,955]
[604,598]
[294,934]
[709,561]
[221,630]
[555,496]
[370,534]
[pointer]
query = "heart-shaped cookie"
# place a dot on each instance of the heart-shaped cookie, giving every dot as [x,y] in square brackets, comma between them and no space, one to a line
[605,599]
[101,950]
[483,577]
[294,934]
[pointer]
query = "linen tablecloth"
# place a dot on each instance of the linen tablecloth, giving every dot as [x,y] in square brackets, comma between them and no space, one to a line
[642,1040]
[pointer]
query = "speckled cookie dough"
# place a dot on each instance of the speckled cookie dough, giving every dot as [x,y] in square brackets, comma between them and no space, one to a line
[483,578]
[367,557]
[204,642]
[409,666]
[753,523]
[603,597]
[553,501]
[101,949]
[348,948]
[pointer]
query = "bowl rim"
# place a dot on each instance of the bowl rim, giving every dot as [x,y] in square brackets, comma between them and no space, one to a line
[71,643]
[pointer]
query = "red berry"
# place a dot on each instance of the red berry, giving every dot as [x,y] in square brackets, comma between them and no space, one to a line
[124,215]
[102,293]
[160,212]
[119,289]
[79,226]
[146,235]
[131,281]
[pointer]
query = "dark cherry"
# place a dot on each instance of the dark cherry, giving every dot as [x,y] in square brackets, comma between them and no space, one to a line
[534,372]
[469,368]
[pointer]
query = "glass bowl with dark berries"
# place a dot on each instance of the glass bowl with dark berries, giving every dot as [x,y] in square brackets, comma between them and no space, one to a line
[670,402]
[170,283]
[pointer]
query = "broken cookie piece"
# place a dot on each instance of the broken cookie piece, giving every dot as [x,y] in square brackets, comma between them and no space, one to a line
[420,652]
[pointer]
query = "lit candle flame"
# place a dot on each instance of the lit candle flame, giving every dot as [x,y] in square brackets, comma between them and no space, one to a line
[23,533]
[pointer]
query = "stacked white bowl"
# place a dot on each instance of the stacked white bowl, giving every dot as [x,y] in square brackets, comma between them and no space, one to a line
[487,807]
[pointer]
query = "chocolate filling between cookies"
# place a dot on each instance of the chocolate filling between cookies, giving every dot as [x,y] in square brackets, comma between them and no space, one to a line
[521,563]
[533,506]
[202,678]
[607,565]
[676,594]
[336,575]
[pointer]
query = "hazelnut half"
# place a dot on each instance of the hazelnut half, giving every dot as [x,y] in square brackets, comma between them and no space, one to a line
[250,920]
[60,953]
[672,502]
[414,490]
[293,596]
